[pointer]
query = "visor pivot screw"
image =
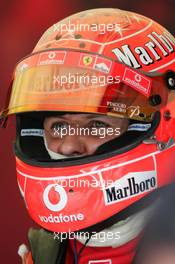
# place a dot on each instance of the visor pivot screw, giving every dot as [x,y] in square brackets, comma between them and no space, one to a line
[171,82]
[170,79]
[161,145]
[167,115]
[155,100]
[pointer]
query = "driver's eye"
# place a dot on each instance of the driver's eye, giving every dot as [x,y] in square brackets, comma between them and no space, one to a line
[98,124]
[58,126]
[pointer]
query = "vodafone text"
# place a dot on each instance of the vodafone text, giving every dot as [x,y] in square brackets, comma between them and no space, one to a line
[60,218]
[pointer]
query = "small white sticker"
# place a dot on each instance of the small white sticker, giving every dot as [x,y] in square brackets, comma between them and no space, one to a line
[32,132]
[139,127]
[103,261]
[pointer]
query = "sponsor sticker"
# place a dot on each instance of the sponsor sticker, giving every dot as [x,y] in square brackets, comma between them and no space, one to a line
[32,132]
[130,185]
[61,218]
[103,65]
[105,261]
[87,60]
[52,57]
[137,81]
[117,107]
[139,127]
[55,207]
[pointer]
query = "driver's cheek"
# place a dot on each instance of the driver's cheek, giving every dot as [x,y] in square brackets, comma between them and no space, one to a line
[76,145]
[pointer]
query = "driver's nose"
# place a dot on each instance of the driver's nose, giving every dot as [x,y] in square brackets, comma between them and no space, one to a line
[71,146]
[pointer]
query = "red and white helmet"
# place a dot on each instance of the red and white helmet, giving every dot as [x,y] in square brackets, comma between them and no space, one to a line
[82,193]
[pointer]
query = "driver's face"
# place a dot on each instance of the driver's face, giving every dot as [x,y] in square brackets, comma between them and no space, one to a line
[84,143]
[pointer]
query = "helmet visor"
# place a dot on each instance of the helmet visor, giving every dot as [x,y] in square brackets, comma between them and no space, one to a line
[61,80]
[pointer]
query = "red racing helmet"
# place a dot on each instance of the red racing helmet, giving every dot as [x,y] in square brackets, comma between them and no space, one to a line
[135,58]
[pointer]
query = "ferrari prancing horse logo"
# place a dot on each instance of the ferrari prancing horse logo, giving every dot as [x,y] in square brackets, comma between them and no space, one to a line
[87,60]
